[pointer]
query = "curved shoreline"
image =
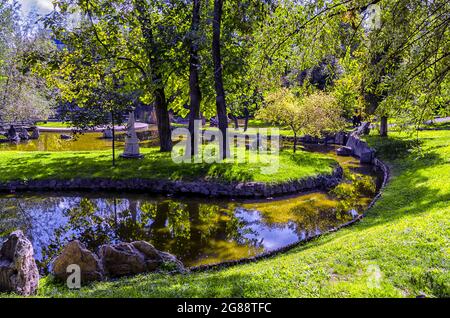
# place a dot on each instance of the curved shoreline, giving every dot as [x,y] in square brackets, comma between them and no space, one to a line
[378,164]
[199,188]
[320,182]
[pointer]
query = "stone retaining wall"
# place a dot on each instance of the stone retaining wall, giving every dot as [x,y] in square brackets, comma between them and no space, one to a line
[203,188]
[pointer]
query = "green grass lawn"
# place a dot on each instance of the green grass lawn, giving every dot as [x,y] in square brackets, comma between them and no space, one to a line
[401,249]
[155,165]
[53,124]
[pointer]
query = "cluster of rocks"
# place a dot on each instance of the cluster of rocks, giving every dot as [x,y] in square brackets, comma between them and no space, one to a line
[205,188]
[113,260]
[18,271]
[21,134]
[357,147]
[352,144]
[339,138]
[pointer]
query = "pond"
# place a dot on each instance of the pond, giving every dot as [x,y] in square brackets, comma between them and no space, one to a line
[50,141]
[197,230]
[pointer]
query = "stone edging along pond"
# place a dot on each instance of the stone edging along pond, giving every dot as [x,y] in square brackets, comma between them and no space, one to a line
[205,188]
[202,188]
[378,164]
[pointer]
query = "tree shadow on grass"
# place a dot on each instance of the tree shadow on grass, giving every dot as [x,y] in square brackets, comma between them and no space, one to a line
[409,190]
[46,166]
[39,166]
[438,126]
[393,147]
[154,166]
[207,285]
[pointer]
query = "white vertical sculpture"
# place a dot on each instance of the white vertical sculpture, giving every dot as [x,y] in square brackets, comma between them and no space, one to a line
[131,141]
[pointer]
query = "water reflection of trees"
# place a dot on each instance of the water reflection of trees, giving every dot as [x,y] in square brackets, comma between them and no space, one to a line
[186,229]
[53,142]
[305,216]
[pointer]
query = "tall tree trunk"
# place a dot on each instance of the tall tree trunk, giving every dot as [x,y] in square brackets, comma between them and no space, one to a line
[151,48]
[247,115]
[384,126]
[163,120]
[236,122]
[218,79]
[5,94]
[113,139]
[194,65]
[295,142]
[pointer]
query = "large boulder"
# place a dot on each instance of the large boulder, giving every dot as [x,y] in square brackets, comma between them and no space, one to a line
[125,259]
[76,253]
[122,259]
[344,151]
[172,262]
[23,134]
[364,129]
[18,270]
[152,256]
[66,137]
[367,156]
[360,148]
[340,138]
[12,134]
[35,134]
[114,260]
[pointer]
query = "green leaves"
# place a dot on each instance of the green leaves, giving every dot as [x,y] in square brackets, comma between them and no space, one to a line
[313,114]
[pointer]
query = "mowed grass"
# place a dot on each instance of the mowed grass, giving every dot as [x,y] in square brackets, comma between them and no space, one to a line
[401,249]
[53,124]
[155,165]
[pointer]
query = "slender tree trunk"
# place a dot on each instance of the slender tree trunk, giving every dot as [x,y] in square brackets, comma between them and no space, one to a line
[236,122]
[162,114]
[384,126]
[5,94]
[162,117]
[218,79]
[295,142]
[113,140]
[247,115]
[194,65]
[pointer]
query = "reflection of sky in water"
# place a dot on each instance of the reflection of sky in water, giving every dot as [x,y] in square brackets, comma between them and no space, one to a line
[271,238]
[42,222]
[239,232]
[48,215]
